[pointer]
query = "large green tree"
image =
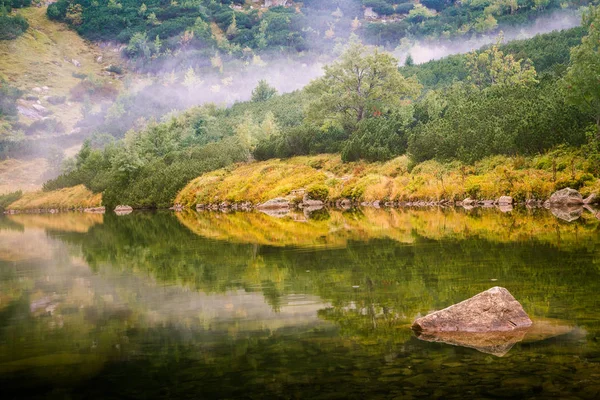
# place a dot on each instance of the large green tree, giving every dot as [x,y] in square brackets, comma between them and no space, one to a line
[583,76]
[362,83]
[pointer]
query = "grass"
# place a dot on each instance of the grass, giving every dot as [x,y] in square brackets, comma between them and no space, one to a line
[523,178]
[42,57]
[62,199]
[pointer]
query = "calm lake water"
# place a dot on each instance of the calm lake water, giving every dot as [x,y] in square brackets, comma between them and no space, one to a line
[245,305]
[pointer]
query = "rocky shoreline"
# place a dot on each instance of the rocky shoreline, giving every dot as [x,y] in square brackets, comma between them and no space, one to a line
[566,204]
[561,198]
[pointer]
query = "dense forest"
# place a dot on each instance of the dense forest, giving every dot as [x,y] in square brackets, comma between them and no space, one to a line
[523,98]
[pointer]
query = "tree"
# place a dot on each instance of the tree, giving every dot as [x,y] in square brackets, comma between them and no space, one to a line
[492,67]
[263,91]
[191,80]
[361,83]
[583,76]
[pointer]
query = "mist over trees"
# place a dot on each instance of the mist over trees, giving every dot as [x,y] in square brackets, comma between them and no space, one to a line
[490,102]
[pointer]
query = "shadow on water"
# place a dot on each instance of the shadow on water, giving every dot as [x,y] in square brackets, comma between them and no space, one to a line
[244,305]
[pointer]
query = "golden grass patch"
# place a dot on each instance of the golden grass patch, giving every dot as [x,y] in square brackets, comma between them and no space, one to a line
[63,199]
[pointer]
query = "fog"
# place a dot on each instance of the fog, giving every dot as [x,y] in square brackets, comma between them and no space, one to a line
[423,51]
[288,74]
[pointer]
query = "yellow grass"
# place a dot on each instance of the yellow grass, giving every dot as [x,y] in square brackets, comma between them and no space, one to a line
[62,199]
[488,179]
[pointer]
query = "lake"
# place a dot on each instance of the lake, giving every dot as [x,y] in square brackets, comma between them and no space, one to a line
[245,305]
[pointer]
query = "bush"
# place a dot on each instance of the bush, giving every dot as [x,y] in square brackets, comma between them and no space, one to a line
[8,99]
[376,139]
[57,11]
[8,199]
[49,125]
[318,192]
[12,27]
[404,8]
[115,69]
[93,88]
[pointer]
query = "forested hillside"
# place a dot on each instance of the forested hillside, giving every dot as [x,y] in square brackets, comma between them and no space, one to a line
[165,33]
[488,103]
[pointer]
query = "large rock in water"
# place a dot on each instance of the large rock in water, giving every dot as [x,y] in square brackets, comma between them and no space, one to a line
[566,197]
[494,310]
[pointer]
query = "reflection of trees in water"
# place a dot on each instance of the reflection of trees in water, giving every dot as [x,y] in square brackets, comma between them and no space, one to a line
[452,256]
[374,286]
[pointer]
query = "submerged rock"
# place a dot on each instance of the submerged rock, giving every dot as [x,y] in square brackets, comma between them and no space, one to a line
[95,210]
[566,197]
[123,210]
[177,207]
[494,310]
[499,343]
[567,213]
[505,201]
[495,343]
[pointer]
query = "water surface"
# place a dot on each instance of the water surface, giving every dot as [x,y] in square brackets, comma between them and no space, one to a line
[246,305]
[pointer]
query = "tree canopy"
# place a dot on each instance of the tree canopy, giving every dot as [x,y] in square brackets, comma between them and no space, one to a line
[583,76]
[362,83]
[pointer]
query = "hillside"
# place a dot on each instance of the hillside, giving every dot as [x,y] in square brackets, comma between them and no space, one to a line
[498,127]
[44,58]
[41,63]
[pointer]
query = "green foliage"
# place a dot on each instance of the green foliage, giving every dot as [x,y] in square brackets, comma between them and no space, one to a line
[150,166]
[492,67]
[318,192]
[8,99]
[582,84]
[362,83]
[263,91]
[9,198]
[498,120]
[376,139]
[12,27]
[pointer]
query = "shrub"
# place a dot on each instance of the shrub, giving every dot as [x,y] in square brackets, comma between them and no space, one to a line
[404,8]
[49,125]
[318,192]
[12,27]
[9,198]
[376,139]
[115,69]
[57,11]
[8,98]
[94,89]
